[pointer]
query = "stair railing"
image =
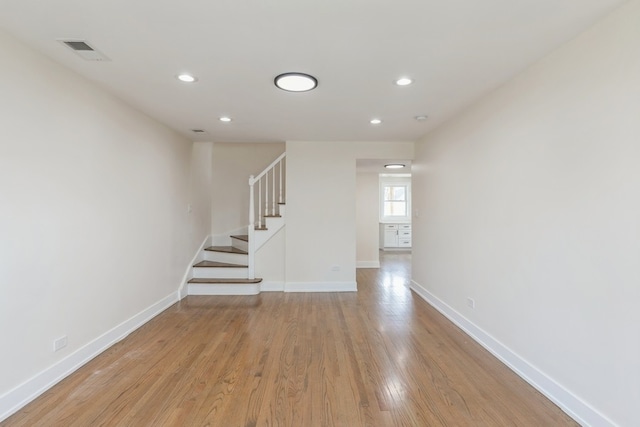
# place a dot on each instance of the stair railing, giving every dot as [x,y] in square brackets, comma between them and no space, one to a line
[270,182]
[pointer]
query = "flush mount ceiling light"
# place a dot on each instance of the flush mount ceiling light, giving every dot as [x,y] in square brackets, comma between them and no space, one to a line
[296,82]
[394,166]
[375,121]
[421,118]
[186,78]
[404,81]
[225,119]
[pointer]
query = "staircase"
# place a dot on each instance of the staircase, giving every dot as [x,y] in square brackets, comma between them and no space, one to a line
[230,270]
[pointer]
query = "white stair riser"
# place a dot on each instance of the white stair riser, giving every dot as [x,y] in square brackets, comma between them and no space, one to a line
[220,272]
[240,244]
[227,257]
[223,289]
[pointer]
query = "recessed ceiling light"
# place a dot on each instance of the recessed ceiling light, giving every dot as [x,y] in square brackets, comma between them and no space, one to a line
[375,121]
[225,119]
[296,82]
[421,118]
[187,78]
[404,81]
[394,166]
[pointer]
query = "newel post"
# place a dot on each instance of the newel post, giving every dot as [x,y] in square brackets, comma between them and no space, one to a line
[251,229]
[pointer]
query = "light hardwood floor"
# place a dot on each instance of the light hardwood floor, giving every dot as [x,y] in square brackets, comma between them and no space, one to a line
[378,357]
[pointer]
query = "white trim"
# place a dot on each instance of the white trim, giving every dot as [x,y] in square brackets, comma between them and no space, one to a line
[267,286]
[18,397]
[321,287]
[183,291]
[574,406]
[368,264]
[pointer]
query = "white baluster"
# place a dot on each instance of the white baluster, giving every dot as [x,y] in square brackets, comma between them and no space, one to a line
[280,186]
[273,189]
[260,203]
[266,194]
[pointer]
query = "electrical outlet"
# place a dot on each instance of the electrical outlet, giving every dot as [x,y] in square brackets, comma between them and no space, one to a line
[471,303]
[60,343]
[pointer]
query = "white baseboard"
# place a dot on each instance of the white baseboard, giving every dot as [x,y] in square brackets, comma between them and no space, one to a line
[271,286]
[18,397]
[184,286]
[321,287]
[575,407]
[368,264]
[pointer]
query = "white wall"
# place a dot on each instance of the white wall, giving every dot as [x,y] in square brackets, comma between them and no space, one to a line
[270,262]
[321,210]
[367,220]
[93,217]
[200,189]
[233,163]
[530,204]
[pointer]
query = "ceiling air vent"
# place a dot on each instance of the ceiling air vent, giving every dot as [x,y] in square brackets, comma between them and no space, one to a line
[197,130]
[84,50]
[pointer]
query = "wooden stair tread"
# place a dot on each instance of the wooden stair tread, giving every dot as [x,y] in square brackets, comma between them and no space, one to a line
[243,237]
[218,264]
[226,249]
[227,281]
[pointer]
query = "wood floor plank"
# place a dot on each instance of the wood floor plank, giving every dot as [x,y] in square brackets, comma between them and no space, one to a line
[378,357]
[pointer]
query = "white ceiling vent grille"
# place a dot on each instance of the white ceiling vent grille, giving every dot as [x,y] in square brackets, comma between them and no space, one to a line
[84,50]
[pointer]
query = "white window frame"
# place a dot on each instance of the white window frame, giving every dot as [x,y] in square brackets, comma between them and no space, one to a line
[396,181]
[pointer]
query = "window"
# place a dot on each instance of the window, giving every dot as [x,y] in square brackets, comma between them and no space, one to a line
[395,198]
[395,201]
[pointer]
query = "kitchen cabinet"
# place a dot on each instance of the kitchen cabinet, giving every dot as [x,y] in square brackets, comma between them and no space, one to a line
[397,235]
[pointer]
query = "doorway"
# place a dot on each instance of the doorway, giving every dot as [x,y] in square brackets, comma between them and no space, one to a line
[383,210]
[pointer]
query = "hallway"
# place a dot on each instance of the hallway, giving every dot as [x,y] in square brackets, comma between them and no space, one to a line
[378,357]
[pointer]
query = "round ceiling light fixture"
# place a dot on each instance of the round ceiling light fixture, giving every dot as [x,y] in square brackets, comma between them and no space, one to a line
[394,166]
[421,118]
[225,119]
[375,121]
[186,78]
[404,81]
[296,82]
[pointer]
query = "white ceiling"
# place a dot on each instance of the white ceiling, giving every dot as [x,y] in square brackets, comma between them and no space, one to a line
[455,50]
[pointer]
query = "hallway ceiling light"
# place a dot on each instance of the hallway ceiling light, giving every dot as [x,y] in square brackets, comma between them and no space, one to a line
[375,121]
[225,119]
[296,82]
[404,81]
[394,166]
[186,78]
